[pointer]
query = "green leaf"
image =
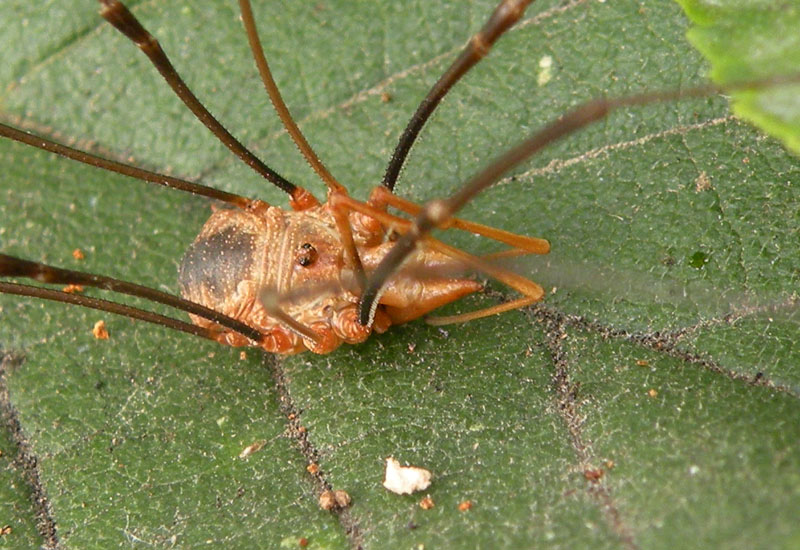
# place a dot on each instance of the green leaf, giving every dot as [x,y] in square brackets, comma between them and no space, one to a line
[650,401]
[746,40]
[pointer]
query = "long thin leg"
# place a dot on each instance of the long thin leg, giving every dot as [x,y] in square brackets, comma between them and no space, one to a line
[278,103]
[531,291]
[503,18]
[438,212]
[128,170]
[524,243]
[105,305]
[124,21]
[352,259]
[11,266]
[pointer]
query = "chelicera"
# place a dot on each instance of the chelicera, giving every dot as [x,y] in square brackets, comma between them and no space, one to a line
[320,274]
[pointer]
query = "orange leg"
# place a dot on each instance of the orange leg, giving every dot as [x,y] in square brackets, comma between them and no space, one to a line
[346,234]
[531,291]
[531,245]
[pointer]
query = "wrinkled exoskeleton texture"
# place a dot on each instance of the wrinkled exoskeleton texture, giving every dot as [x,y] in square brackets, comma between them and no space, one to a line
[299,256]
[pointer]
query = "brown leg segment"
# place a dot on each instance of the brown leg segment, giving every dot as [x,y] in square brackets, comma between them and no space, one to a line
[11,266]
[124,21]
[278,103]
[129,170]
[505,15]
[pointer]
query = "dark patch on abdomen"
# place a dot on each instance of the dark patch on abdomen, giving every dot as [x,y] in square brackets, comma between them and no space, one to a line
[217,263]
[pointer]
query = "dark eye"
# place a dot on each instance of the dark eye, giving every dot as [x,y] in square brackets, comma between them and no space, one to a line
[306,255]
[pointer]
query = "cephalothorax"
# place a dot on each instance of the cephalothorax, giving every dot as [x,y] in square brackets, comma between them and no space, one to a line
[239,253]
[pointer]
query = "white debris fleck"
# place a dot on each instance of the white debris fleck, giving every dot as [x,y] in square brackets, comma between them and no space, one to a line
[252,448]
[545,70]
[405,480]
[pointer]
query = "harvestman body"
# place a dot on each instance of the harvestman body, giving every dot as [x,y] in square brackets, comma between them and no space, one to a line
[308,278]
[322,274]
[248,263]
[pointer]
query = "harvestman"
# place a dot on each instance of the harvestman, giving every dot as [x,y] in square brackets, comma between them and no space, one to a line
[320,274]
